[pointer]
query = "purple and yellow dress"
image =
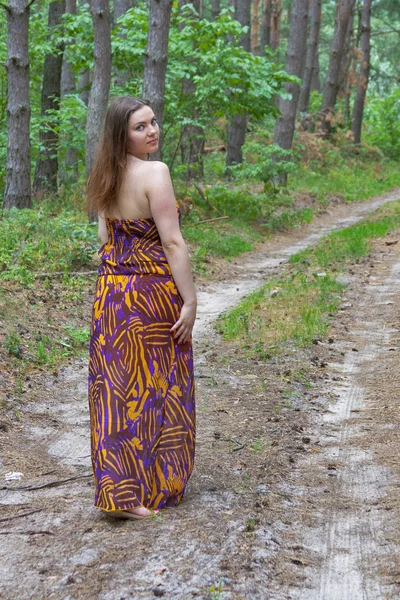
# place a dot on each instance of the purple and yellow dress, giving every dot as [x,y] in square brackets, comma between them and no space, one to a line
[141,385]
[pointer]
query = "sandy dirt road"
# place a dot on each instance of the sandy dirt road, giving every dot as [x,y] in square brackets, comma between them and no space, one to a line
[289,499]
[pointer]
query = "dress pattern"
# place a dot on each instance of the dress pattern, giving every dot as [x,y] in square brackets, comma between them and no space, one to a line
[141,385]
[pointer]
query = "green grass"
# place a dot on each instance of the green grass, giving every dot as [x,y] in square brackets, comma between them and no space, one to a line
[354,181]
[296,308]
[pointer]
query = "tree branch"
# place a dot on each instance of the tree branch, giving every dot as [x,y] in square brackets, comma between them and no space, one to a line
[7,8]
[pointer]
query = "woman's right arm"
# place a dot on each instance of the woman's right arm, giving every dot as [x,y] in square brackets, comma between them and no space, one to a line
[103,234]
[163,209]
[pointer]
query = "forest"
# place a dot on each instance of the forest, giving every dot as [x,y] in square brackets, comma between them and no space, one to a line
[280,126]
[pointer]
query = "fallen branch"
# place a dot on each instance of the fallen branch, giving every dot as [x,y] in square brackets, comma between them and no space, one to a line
[205,198]
[209,220]
[70,274]
[44,485]
[25,514]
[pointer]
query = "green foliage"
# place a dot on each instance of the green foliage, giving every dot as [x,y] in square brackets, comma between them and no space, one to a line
[263,162]
[382,123]
[35,240]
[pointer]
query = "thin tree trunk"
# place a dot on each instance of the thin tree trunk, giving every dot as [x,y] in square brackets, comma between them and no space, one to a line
[343,13]
[255,25]
[68,173]
[47,162]
[284,128]
[120,8]
[265,36]
[315,80]
[358,109]
[192,139]
[312,52]
[215,9]
[276,23]
[155,62]
[84,83]
[100,89]
[236,131]
[344,75]
[18,184]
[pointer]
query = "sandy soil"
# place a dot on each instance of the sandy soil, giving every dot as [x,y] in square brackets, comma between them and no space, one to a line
[295,488]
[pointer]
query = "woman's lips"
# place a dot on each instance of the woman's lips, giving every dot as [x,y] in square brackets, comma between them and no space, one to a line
[154,141]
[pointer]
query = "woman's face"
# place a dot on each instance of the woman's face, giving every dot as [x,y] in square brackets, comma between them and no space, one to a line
[143,132]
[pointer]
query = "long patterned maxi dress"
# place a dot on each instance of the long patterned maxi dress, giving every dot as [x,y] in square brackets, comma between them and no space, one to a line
[141,386]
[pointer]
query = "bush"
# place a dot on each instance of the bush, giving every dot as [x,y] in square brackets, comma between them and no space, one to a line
[382,124]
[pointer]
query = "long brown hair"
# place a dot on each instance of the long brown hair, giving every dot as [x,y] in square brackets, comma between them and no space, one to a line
[105,177]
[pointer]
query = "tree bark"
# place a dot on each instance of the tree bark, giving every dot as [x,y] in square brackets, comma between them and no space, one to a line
[315,80]
[265,35]
[236,131]
[331,85]
[18,185]
[312,52]
[47,162]
[276,23]
[68,173]
[155,62]
[358,109]
[215,9]
[284,128]
[100,89]
[255,23]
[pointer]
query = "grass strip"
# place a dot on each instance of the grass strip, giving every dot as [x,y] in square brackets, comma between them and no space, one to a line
[295,308]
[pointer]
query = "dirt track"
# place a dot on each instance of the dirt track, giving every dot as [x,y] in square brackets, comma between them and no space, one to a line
[289,499]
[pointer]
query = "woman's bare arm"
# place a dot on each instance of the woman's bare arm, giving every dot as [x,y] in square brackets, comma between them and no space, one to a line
[163,209]
[103,235]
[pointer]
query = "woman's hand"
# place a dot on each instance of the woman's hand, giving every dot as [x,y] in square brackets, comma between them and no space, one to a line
[182,329]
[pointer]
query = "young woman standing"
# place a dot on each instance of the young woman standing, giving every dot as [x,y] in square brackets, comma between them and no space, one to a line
[141,386]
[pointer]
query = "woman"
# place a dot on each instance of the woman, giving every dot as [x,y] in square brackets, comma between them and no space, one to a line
[141,387]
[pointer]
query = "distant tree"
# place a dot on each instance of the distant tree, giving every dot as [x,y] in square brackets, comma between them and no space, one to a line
[215,8]
[47,162]
[276,14]
[68,173]
[265,34]
[236,130]
[99,92]
[358,109]
[312,53]
[18,168]
[120,8]
[284,128]
[156,59]
[331,86]
[255,25]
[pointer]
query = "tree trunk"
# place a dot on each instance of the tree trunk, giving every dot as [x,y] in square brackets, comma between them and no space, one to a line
[255,48]
[215,9]
[265,36]
[344,75]
[276,23]
[284,128]
[18,184]
[68,173]
[343,13]
[100,89]
[315,80]
[120,8]
[236,131]
[312,52]
[155,62]
[47,162]
[362,86]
